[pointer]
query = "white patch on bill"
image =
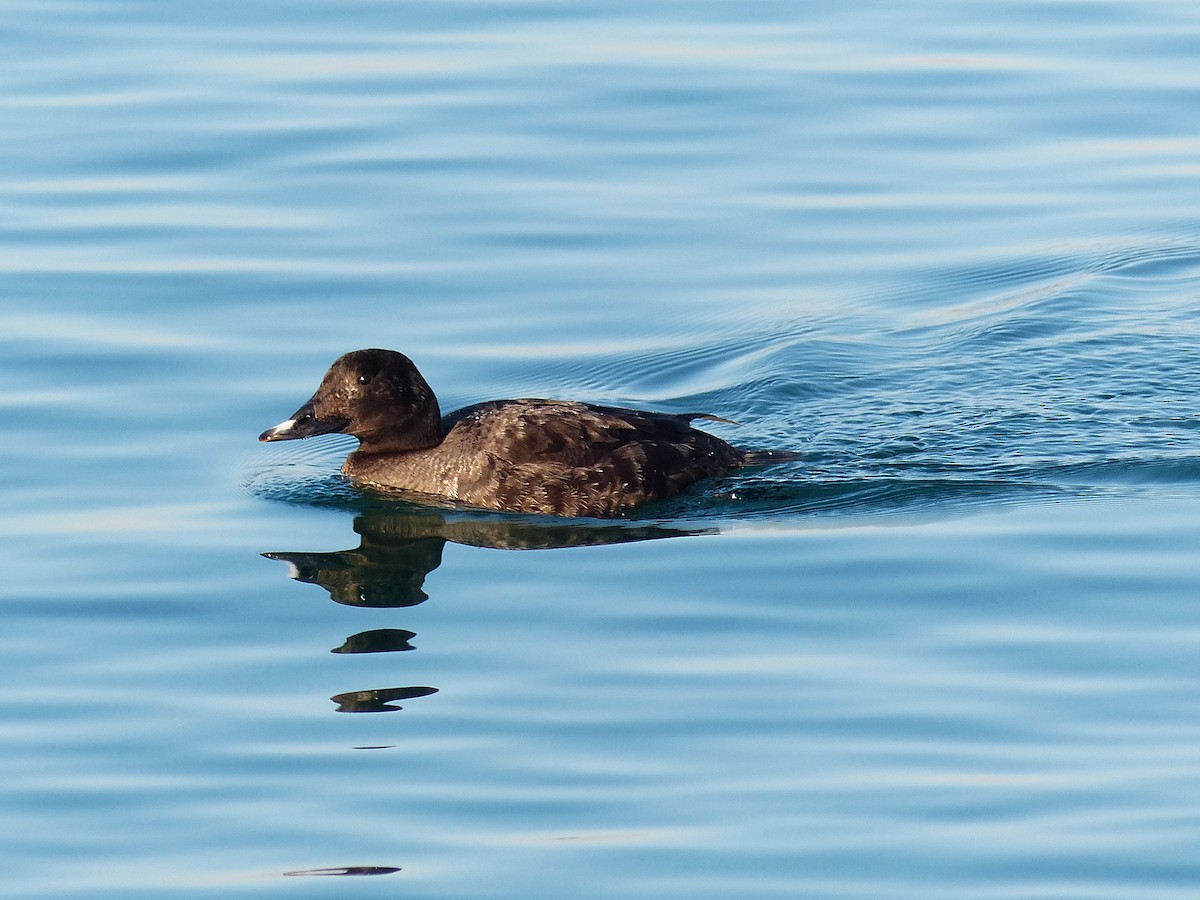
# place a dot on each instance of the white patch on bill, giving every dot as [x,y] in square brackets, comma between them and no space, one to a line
[282,428]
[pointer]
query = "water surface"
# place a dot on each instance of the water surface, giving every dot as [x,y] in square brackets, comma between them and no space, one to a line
[946,252]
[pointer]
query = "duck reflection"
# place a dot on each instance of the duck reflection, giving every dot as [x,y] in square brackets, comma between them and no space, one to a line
[398,549]
[379,699]
[381,640]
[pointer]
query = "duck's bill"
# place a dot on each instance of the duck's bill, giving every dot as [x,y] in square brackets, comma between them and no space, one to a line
[302,424]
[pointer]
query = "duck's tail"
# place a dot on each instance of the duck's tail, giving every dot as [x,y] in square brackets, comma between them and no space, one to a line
[710,417]
[747,457]
[768,457]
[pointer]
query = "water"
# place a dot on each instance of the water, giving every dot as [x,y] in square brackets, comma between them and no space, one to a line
[945,251]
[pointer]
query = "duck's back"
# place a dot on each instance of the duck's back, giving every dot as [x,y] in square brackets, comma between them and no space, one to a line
[554,457]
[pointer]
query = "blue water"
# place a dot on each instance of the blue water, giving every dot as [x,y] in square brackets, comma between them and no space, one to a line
[947,252]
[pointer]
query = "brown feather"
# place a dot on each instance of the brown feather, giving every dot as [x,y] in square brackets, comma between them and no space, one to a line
[556,457]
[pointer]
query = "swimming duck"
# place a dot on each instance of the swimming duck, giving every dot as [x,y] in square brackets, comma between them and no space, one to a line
[554,457]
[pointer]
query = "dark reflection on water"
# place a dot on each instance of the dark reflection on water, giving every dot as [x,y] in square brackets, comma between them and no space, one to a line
[398,549]
[378,640]
[400,546]
[346,870]
[379,699]
[376,574]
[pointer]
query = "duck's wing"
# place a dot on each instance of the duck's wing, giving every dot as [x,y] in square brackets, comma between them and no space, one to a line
[569,458]
[564,431]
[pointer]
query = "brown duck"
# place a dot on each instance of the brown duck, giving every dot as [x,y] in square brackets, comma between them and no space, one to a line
[554,457]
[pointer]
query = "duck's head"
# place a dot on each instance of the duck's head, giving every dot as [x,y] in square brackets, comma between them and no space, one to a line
[376,395]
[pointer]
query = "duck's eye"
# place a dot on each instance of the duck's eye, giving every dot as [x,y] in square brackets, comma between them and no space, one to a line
[364,379]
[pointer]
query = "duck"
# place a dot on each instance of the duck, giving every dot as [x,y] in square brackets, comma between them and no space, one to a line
[548,457]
